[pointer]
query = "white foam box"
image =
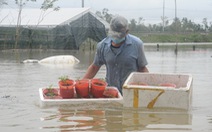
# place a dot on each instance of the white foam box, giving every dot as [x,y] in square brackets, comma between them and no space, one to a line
[81,102]
[153,95]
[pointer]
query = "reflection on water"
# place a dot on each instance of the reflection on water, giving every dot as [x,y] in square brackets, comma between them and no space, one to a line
[77,120]
[153,121]
[116,120]
[19,102]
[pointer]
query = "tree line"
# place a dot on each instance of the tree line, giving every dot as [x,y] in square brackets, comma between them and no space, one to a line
[177,25]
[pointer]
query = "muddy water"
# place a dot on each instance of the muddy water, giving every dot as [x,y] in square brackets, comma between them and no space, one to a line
[19,98]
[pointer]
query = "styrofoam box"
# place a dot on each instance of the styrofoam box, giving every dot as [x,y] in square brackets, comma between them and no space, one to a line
[153,95]
[94,102]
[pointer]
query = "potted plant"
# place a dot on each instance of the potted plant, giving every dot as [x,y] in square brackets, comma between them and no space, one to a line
[110,92]
[66,86]
[50,93]
[98,87]
[82,88]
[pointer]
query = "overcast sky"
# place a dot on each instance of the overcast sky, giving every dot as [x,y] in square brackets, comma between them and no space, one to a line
[150,10]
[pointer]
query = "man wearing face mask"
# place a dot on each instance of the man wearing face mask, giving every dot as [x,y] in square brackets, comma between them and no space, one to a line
[120,52]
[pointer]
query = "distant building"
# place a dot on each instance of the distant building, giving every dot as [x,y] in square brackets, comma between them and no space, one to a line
[66,28]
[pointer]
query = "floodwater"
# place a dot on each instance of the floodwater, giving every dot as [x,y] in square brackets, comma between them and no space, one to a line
[20,107]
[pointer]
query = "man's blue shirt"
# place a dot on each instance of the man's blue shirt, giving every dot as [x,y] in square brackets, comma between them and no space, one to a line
[120,62]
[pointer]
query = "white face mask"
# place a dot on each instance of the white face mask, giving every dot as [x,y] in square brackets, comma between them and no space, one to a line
[118,41]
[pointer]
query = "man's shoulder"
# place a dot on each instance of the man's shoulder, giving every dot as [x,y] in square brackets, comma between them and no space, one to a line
[134,39]
[104,42]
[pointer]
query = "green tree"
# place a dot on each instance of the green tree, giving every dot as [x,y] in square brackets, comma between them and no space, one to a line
[132,25]
[210,27]
[205,23]
[47,4]
[141,20]
[165,22]
[99,14]
[20,4]
[175,26]
[184,24]
[106,15]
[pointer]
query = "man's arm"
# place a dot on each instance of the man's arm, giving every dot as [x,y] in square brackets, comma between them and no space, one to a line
[143,69]
[91,71]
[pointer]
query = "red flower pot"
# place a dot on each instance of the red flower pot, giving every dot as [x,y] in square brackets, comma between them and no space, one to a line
[82,88]
[97,88]
[111,92]
[51,93]
[66,89]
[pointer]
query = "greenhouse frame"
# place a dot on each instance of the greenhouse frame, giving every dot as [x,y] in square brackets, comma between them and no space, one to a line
[63,29]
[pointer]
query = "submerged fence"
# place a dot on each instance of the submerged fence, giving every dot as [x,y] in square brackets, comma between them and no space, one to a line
[28,38]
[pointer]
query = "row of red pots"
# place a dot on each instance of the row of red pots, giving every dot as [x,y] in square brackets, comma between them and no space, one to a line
[84,88]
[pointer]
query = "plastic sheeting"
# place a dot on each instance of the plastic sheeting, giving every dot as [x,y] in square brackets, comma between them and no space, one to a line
[72,35]
[68,35]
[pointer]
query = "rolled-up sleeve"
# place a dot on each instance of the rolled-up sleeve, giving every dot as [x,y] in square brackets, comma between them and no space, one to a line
[142,61]
[98,59]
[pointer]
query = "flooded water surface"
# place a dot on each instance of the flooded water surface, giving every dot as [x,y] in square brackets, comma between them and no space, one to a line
[20,105]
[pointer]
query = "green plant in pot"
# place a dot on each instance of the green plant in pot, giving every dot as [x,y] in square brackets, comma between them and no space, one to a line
[66,86]
[50,93]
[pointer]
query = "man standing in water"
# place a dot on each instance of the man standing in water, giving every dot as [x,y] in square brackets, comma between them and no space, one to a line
[120,52]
